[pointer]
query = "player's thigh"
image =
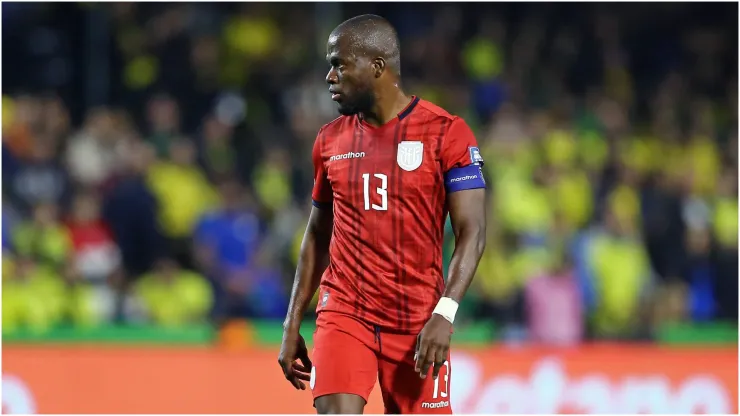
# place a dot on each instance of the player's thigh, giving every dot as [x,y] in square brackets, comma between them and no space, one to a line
[333,404]
[342,363]
[405,392]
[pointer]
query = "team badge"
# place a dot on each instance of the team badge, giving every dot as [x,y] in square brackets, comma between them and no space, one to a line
[410,155]
[475,157]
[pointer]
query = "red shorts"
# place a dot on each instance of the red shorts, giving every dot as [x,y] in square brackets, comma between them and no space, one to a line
[350,355]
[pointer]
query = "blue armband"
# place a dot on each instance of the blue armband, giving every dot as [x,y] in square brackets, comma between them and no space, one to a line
[466,177]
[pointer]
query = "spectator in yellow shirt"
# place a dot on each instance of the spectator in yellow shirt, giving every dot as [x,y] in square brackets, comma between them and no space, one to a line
[33,296]
[172,297]
[621,276]
[272,180]
[183,194]
[44,238]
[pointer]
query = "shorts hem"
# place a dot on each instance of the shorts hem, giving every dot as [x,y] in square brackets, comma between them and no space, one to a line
[316,396]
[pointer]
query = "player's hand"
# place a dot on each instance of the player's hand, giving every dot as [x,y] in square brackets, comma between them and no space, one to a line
[433,345]
[293,349]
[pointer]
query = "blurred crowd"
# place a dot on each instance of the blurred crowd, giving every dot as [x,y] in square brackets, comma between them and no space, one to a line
[156,159]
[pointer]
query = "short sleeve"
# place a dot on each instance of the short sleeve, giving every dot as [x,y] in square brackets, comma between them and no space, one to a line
[459,148]
[461,159]
[322,194]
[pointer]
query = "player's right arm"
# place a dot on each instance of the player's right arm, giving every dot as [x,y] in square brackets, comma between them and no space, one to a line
[312,261]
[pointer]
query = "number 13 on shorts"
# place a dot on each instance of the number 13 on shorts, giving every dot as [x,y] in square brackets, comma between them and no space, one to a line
[445,386]
[404,392]
[423,396]
[435,398]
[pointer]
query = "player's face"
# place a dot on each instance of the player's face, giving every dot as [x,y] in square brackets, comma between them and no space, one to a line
[349,78]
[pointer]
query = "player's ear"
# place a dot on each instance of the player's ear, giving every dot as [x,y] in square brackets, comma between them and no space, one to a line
[378,67]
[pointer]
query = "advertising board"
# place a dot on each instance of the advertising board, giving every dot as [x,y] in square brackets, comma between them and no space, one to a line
[590,379]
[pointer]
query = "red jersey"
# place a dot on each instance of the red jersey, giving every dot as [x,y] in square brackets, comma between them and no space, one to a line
[387,187]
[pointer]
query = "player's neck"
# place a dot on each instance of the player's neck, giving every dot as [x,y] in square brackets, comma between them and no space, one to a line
[387,107]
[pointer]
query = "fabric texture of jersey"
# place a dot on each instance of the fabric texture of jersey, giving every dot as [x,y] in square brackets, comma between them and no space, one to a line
[387,186]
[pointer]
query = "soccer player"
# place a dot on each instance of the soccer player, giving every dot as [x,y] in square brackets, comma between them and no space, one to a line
[386,173]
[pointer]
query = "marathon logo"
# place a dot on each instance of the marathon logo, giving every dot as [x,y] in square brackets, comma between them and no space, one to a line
[349,155]
[437,405]
[464,178]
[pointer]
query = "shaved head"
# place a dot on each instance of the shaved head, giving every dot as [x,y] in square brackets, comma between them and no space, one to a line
[373,37]
[365,61]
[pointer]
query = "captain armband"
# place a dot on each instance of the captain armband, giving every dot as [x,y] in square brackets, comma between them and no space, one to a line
[463,178]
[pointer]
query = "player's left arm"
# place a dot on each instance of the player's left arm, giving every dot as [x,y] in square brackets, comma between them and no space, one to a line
[468,217]
[466,198]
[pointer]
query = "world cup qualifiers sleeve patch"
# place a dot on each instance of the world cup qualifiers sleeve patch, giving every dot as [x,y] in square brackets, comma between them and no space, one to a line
[475,157]
[466,177]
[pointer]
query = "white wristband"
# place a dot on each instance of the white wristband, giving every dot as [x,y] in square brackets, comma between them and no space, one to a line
[446,308]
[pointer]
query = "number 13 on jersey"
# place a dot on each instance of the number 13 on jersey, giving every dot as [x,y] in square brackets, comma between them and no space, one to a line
[381,191]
